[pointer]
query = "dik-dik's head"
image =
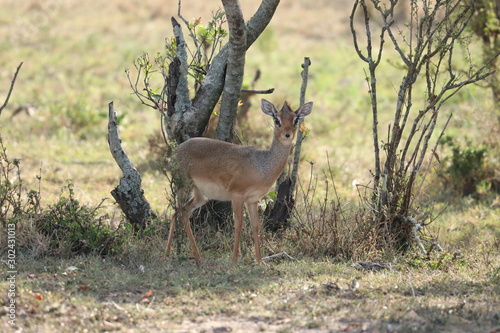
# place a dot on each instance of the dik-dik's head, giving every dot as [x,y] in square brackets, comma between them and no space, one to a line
[285,120]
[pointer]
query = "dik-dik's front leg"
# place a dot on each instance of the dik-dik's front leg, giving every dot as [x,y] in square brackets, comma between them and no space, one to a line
[253,212]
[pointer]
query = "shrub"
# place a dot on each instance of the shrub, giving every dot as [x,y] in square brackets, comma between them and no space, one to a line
[74,229]
[80,118]
[65,228]
[324,226]
[13,206]
[465,169]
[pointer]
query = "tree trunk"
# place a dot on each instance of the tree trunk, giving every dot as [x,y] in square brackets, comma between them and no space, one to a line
[234,72]
[280,213]
[128,194]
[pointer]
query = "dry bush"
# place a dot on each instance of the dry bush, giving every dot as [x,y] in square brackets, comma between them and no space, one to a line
[325,226]
[428,46]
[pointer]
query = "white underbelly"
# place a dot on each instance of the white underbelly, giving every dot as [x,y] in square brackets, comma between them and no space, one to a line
[215,191]
[256,195]
[212,191]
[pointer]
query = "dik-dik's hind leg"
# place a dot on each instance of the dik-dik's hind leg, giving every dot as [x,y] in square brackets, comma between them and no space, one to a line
[197,200]
[238,225]
[182,212]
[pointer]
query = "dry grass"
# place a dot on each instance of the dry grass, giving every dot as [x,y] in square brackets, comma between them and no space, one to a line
[136,294]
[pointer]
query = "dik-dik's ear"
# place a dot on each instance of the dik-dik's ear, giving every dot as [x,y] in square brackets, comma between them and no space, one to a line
[304,110]
[268,108]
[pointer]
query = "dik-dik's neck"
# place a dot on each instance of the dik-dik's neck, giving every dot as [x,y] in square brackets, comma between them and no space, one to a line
[276,158]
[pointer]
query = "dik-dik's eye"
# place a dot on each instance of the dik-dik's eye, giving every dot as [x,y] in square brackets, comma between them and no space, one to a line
[277,122]
[296,121]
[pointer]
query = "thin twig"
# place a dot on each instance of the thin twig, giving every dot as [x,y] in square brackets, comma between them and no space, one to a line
[186,22]
[412,288]
[353,31]
[277,256]
[268,91]
[416,227]
[371,79]
[432,155]
[12,83]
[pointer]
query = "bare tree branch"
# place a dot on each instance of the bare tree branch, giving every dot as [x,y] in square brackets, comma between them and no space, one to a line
[12,83]
[300,134]
[234,72]
[371,79]
[253,91]
[129,193]
[182,101]
[417,192]
[177,88]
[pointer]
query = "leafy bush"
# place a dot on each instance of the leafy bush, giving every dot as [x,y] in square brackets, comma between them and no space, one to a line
[465,169]
[68,227]
[81,118]
[75,229]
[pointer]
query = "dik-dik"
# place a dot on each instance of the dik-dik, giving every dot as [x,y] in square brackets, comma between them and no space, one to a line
[243,175]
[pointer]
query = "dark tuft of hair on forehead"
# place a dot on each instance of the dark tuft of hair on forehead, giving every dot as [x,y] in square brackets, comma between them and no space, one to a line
[286,107]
